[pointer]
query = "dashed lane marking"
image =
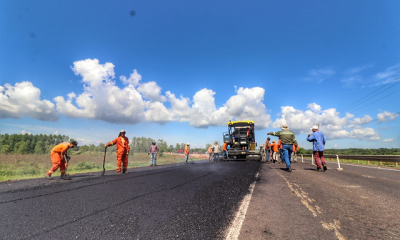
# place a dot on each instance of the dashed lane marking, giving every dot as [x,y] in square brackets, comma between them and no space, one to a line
[234,230]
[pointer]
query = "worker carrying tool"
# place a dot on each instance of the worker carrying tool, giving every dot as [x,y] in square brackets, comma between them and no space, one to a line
[57,158]
[123,149]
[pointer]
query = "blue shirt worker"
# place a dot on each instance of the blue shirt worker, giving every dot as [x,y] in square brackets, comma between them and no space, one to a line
[318,140]
[287,139]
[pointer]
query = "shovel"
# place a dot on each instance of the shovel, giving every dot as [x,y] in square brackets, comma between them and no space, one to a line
[104,161]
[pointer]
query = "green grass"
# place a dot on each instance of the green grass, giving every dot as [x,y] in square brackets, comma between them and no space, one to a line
[362,162]
[15,167]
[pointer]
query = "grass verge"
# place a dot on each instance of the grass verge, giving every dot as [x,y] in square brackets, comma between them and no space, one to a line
[15,167]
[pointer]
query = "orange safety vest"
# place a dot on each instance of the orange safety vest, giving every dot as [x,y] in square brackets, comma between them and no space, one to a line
[60,148]
[210,150]
[186,149]
[274,147]
[225,147]
[267,145]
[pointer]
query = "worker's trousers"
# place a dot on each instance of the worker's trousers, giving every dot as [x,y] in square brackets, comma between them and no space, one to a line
[287,153]
[122,158]
[58,162]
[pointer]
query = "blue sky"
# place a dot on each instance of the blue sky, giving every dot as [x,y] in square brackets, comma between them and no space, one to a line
[179,70]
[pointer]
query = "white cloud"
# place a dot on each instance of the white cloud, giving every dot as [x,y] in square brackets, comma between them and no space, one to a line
[133,79]
[23,132]
[388,140]
[331,124]
[141,101]
[387,116]
[356,70]
[102,99]
[83,141]
[388,75]
[23,100]
[151,91]
[319,75]
[360,121]
[55,133]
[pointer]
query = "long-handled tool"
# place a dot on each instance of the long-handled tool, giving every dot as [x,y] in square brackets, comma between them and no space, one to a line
[104,161]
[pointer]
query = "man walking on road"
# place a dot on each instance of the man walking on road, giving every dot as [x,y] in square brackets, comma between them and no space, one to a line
[217,151]
[210,154]
[57,158]
[123,149]
[187,152]
[153,152]
[287,139]
[225,150]
[319,141]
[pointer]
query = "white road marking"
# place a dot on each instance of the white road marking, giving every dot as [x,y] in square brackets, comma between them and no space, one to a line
[236,225]
[388,169]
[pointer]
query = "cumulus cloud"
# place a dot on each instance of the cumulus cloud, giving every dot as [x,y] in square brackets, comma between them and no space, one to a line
[387,116]
[141,101]
[23,100]
[388,140]
[333,126]
[359,69]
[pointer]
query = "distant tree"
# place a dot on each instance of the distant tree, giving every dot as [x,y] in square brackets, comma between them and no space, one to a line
[39,148]
[5,149]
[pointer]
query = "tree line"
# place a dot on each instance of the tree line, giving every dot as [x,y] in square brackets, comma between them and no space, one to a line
[43,144]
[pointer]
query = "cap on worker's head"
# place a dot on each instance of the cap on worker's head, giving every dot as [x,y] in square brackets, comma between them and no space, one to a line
[314,127]
[75,143]
[273,140]
[284,126]
[215,142]
[268,138]
[188,144]
[122,131]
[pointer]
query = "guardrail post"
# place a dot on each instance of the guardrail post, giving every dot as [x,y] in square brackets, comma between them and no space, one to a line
[397,164]
[312,160]
[303,160]
[339,168]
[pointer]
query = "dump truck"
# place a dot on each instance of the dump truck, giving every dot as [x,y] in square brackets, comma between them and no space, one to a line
[241,141]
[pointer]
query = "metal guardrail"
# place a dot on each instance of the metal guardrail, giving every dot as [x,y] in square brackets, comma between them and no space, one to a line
[372,158]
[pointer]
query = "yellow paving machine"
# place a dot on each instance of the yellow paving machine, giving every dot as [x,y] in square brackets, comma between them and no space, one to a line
[241,141]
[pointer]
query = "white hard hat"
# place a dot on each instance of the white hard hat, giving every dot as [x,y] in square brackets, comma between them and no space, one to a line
[122,130]
[188,144]
[314,127]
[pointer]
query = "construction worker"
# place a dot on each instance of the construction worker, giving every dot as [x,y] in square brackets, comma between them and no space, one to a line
[274,151]
[210,154]
[287,138]
[267,147]
[225,149]
[295,150]
[318,140]
[280,152]
[123,149]
[57,158]
[216,151]
[187,152]
[153,154]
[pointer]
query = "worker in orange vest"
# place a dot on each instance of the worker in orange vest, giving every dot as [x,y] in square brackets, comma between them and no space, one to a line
[274,152]
[57,158]
[225,149]
[210,154]
[123,149]
[295,150]
[187,152]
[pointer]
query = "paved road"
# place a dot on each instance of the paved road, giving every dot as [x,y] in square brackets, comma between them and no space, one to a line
[202,201]
[357,203]
[193,201]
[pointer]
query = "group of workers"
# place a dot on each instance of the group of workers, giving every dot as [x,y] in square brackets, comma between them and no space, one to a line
[286,145]
[215,150]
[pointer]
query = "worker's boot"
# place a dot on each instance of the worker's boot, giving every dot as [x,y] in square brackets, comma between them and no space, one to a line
[324,166]
[319,170]
[65,177]
[48,177]
[289,169]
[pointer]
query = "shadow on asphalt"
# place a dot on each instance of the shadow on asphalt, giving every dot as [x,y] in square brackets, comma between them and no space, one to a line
[311,169]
